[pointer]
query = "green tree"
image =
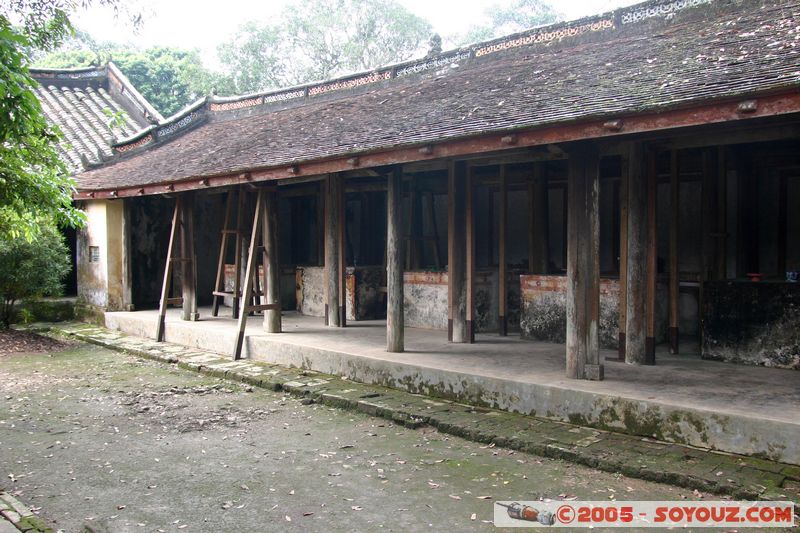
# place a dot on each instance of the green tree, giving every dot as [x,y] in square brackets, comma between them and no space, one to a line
[321,39]
[511,18]
[31,268]
[34,182]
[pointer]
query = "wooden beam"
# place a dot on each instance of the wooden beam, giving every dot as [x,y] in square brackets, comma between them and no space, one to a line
[470,271]
[239,250]
[189,265]
[623,255]
[652,251]
[717,112]
[272,265]
[502,262]
[167,283]
[583,265]
[674,270]
[635,323]
[456,253]
[251,272]
[394,264]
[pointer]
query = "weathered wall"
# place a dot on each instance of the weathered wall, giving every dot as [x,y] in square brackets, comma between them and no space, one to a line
[752,323]
[102,280]
[92,275]
[544,315]
[364,300]
[425,300]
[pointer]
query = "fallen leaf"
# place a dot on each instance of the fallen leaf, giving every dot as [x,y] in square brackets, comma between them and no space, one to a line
[308,513]
[288,518]
[455,497]
[484,497]
[473,516]
[357,508]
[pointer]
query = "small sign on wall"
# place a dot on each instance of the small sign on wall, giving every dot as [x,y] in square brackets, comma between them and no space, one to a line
[94,254]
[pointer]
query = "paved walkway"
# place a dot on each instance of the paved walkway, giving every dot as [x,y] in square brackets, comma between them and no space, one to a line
[683,399]
[737,476]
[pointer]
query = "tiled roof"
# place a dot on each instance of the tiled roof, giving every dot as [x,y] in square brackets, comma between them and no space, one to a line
[94,108]
[652,57]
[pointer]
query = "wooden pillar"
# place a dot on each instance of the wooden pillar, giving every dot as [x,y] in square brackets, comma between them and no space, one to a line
[537,221]
[335,298]
[674,271]
[502,262]
[635,329]
[623,257]
[652,253]
[470,238]
[721,231]
[394,263]
[188,268]
[583,264]
[272,275]
[456,252]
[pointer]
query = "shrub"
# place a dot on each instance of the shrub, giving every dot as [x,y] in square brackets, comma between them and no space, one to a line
[31,269]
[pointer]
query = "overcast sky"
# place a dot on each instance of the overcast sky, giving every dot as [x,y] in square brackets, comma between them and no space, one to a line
[203,24]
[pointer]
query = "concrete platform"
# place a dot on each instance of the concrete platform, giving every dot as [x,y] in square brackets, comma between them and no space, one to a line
[740,409]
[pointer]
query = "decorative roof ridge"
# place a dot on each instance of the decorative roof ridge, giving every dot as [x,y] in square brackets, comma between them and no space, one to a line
[68,72]
[199,111]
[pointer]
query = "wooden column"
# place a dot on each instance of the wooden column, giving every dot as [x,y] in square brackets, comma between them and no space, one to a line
[635,323]
[652,253]
[334,272]
[537,222]
[721,230]
[623,256]
[674,271]
[271,260]
[188,268]
[394,263]
[470,274]
[502,262]
[456,252]
[583,264]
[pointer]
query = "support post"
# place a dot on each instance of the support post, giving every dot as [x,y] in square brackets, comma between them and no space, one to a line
[333,249]
[456,252]
[272,276]
[537,222]
[652,266]
[583,264]
[623,256]
[167,283]
[502,263]
[188,263]
[674,272]
[394,264]
[635,323]
[470,238]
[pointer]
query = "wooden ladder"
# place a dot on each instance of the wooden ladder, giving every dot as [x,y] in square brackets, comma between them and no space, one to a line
[262,239]
[183,223]
[227,232]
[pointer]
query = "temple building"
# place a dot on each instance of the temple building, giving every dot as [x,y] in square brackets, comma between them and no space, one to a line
[506,224]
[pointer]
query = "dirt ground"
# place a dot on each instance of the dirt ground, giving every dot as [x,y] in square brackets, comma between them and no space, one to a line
[13,341]
[97,439]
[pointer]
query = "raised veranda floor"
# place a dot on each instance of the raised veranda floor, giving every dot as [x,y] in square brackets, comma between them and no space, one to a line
[742,409]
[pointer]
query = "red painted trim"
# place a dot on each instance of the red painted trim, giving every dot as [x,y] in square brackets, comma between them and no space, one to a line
[728,111]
